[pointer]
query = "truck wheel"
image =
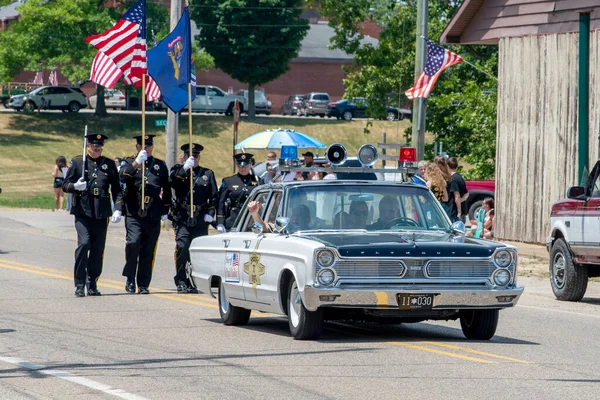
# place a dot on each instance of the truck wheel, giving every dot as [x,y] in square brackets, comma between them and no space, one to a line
[568,280]
[304,324]
[474,208]
[479,324]
[231,315]
[229,109]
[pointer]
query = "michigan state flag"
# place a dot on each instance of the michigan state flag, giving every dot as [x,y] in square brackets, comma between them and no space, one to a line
[170,65]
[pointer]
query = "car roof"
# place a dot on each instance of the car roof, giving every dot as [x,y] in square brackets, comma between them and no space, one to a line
[341,182]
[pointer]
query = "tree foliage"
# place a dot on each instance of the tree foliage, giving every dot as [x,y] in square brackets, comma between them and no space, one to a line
[251,40]
[461,111]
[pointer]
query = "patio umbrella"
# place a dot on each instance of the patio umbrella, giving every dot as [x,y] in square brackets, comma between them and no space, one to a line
[275,138]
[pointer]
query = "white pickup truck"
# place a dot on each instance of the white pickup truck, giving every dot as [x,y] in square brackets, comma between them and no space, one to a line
[210,99]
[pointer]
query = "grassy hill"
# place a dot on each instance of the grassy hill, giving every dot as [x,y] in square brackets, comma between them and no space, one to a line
[30,143]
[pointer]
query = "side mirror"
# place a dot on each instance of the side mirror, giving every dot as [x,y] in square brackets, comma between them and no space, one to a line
[459,232]
[281,223]
[575,191]
[257,228]
[459,226]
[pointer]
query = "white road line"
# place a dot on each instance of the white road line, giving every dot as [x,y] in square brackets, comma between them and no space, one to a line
[561,311]
[72,378]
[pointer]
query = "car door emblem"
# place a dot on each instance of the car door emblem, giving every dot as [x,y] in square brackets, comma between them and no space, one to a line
[226,242]
[255,270]
[247,243]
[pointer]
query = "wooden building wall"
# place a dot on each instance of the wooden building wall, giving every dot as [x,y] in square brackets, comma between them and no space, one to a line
[537,151]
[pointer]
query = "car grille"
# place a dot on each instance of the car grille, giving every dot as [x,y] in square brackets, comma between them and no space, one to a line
[414,269]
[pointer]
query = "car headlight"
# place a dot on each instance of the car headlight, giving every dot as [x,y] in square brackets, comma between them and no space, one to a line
[325,258]
[326,276]
[503,258]
[502,277]
[269,104]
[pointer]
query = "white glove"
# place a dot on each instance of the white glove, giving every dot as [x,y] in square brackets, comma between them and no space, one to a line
[221,228]
[208,218]
[141,157]
[189,163]
[80,185]
[116,217]
[164,217]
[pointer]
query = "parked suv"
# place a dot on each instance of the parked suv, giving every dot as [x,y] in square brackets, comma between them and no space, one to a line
[262,105]
[211,99]
[112,99]
[292,104]
[50,98]
[574,242]
[314,104]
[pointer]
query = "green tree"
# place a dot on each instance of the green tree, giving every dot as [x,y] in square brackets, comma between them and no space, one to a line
[461,111]
[251,40]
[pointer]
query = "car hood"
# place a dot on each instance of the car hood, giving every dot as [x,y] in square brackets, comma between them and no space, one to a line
[17,96]
[384,244]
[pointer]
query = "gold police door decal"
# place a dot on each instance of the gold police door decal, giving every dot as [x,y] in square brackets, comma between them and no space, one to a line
[254,268]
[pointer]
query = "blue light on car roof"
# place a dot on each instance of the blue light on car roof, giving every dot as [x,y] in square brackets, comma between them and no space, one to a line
[289,153]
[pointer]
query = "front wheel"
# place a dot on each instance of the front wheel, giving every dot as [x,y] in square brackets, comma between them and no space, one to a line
[391,116]
[479,324]
[74,107]
[231,315]
[568,280]
[347,115]
[29,106]
[304,324]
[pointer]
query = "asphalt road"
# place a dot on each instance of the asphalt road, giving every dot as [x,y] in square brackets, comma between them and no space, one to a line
[173,346]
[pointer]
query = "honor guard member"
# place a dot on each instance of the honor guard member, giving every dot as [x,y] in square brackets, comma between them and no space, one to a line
[92,179]
[143,226]
[234,191]
[191,221]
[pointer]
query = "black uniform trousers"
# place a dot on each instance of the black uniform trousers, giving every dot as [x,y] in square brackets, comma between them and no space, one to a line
[183,238]
[140,249]
[91,239]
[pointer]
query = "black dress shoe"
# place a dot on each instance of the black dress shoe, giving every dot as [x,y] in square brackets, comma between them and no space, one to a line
[143,290]
[94,292]
[79,291]
[182,287]
[192,290]
[130,286]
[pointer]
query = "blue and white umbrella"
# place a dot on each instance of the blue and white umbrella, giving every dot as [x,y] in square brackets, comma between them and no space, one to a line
[275,138]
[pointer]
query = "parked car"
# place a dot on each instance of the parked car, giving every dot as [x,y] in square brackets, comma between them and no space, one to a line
[357,108]
[395,113]
[292,104]
[210,99]
[574,242]
[316,262]
[314,104]
[112,99]
[262,105]
[50,98]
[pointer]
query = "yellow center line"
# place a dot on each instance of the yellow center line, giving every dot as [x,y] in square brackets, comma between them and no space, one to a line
[481,353]
[445,353]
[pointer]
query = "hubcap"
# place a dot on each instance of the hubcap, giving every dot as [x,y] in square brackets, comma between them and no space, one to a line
[558,270]
[223,300]
[295,304]
[391,117]
[347,116]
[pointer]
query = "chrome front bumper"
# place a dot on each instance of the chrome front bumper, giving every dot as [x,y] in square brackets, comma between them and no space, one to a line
[445,298]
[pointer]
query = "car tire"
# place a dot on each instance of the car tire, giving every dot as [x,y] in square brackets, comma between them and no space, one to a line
[231,315]
[479,324]
[304,324]
[29,106]
[322,115]
[568,280]
[474,208]
[347,115]
[74,107]
[390,116]
[5,102]
[229,110]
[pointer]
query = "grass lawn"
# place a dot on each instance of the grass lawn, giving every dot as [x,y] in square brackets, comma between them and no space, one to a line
[30,143]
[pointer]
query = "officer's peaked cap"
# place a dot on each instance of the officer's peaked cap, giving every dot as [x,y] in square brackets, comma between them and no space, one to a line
[243,159]
[196,148]
[96,138]
[148,139]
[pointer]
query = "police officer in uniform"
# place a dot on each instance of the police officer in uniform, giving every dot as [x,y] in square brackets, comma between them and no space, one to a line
[143,226]
[234,191]
[92,184]
[191,221]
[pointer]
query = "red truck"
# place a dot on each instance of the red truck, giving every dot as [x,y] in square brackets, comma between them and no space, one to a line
[478,190]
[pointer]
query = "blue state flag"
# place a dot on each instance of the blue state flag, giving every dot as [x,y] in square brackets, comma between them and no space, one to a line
[170,65]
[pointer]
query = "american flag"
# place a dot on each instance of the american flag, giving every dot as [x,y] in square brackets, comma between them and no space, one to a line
[436,60]
[39,79]
[152,90]
[53,79]
[235,260]
[104,71]
[125,43]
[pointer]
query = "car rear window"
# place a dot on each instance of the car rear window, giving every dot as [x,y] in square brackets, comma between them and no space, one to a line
[77,90]
[320,97]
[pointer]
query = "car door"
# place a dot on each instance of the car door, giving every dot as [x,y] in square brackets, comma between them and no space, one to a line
[62,97]
[200,102]
[590,211]
[217,99]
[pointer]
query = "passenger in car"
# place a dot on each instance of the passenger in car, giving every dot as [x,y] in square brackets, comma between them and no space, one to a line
[359,212]
[299,220]
[388,211]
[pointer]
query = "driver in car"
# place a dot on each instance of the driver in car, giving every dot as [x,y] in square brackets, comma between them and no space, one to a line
[388,211]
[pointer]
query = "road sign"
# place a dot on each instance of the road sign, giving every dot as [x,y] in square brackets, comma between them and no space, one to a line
[161,122]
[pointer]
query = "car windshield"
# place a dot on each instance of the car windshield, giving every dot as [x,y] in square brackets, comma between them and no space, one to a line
[409,211]
[259,96]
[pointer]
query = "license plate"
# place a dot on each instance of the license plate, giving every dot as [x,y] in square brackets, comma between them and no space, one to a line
[415,301]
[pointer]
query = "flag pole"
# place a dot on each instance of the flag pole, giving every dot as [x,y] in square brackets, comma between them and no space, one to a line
[191,148]
[143,97]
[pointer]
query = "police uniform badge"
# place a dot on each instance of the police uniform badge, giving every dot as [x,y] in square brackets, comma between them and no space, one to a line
[104,167]
[204,178]
[235,187]
[156,167]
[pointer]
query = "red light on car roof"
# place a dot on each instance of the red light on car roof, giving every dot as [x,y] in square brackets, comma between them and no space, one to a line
[408,154]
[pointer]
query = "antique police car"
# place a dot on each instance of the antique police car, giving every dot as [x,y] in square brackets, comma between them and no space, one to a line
[354,250]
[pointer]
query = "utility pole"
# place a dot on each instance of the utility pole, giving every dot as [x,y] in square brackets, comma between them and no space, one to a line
[172,118]
[419,105]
